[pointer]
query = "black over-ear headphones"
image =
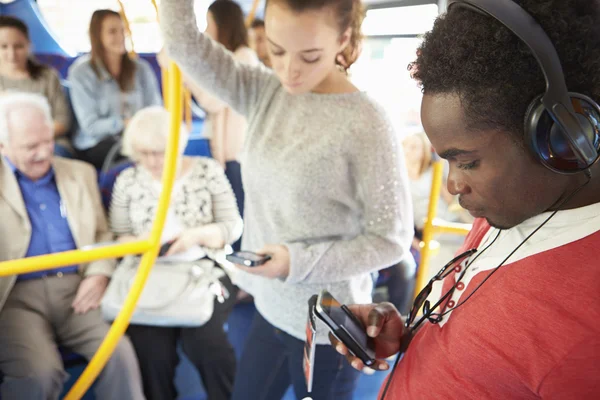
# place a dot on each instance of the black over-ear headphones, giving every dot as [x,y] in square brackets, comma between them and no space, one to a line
[562,128]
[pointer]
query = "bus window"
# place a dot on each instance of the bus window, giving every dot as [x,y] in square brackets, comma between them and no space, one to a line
[392,38]
[69,20]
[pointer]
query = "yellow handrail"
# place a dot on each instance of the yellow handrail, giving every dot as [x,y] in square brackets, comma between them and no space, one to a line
[454,228]
[155,4]
[252,13]
[127,26]
[436,186]
[122,321]
[40,263]
[434,226]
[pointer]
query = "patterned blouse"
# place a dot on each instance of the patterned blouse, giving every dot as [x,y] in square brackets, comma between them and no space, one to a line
[200,197]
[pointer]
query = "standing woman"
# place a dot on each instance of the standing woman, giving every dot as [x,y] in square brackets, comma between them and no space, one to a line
[326,189]
[20,72]
[107,88]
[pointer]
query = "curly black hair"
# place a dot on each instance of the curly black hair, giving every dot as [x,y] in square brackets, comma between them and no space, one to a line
[494,73]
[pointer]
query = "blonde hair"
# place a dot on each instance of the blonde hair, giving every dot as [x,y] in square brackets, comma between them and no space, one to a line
[150,125]
[427,156]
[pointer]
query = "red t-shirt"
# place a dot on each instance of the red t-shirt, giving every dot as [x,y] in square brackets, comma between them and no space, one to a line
[532,331]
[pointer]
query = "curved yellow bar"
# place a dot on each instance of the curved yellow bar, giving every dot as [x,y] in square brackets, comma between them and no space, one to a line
[40,263]
[127,27]
[428,229]
[435,226]
[155,5]
[122,321]
[454,228]
[252,13]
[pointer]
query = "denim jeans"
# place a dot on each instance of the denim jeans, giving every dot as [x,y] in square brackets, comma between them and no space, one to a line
[272,361]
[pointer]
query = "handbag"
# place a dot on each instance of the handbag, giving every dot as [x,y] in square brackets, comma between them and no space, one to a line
[176,294]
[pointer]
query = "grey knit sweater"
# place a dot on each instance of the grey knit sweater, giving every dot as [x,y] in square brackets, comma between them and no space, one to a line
[323,174]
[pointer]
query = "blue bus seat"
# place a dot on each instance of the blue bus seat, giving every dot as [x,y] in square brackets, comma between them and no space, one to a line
[107,179]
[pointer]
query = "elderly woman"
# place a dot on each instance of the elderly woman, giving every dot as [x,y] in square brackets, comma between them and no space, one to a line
[203,214]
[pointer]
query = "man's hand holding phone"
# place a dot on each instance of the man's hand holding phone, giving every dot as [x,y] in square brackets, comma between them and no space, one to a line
[276,267]
[385,325]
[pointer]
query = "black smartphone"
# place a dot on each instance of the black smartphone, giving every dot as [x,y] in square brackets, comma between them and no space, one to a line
[346,327]
[164,248]
[248,258]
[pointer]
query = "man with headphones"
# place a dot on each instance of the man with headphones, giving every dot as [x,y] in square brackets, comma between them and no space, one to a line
[510,91]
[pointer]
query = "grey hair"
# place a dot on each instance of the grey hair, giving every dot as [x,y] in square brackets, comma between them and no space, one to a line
[11,101]
[149,124]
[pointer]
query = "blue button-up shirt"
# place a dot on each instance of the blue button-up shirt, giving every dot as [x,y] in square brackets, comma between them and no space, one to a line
[50,231]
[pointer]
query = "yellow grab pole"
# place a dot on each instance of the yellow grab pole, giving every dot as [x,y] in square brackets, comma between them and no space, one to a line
[127,27]
[252,13]
[428,229]
[39,263]
[155,7]
[454,228]
[120,324]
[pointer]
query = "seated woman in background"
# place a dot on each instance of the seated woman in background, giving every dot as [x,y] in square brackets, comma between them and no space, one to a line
[20,72]
[203,212]
[107,88]
[224,126]
[419,163]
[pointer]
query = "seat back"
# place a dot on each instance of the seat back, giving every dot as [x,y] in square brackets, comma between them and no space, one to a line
[107,179]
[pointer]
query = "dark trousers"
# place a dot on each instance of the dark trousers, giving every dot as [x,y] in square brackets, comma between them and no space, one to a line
[272,360]
[234,175]
[207,347]
[97,155]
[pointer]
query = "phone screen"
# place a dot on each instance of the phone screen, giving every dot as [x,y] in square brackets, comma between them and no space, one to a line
[334,310]
[247,255]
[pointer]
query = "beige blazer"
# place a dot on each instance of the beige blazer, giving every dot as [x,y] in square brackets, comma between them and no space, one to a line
[78,188]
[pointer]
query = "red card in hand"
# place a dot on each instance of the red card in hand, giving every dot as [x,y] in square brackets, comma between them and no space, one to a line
[310,346]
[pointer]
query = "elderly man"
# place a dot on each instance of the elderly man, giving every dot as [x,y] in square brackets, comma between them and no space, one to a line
[51,205]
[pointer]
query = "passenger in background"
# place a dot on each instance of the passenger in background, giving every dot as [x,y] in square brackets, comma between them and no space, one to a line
[258,41]
[46,206]
[107,88]
[203,213]
[20,72]
[224,126]
[327,194]
[419,162]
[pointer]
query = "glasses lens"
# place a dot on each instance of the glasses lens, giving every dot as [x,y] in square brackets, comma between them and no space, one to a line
[421,297]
